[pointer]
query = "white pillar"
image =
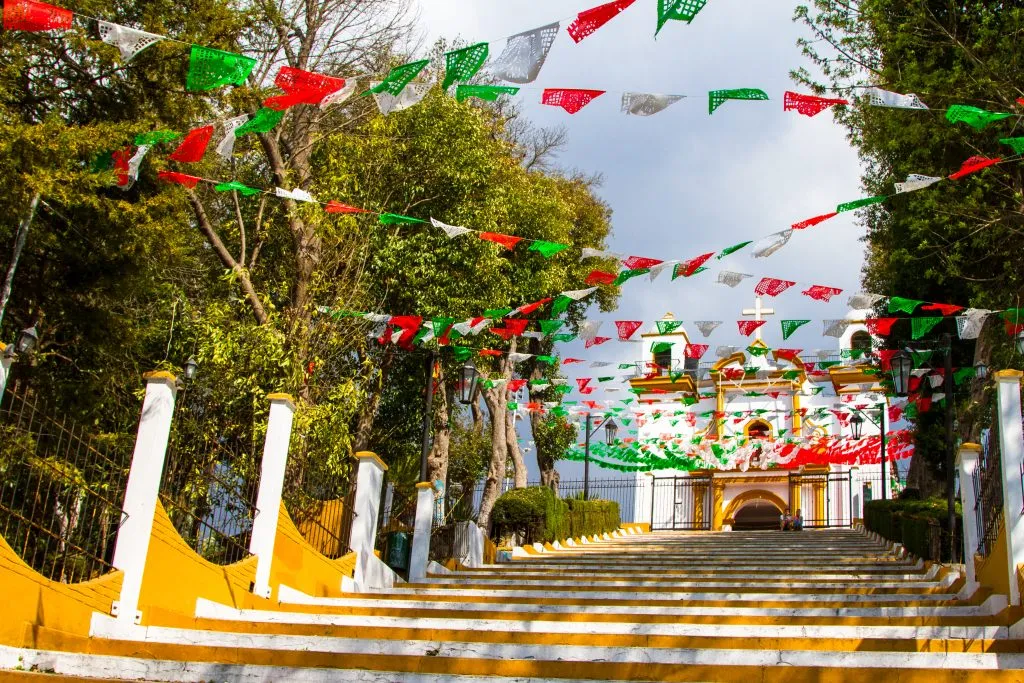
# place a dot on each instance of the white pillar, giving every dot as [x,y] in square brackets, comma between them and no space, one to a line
[855,495]
[268,500]
[132,545]
[364,521]
[968,463]
[1011,449]
[420,554]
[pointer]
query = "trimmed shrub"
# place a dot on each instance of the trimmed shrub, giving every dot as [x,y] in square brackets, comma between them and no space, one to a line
[920,525]
[539,517]
[592,517]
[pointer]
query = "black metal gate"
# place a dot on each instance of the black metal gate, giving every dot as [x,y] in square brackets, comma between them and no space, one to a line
[681,504]
[824,499]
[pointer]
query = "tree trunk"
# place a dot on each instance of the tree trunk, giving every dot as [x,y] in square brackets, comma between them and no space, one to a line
[496,400]
[920,477]
[368,414]
[513,450]
[499,457]
[437,459]
[545,461]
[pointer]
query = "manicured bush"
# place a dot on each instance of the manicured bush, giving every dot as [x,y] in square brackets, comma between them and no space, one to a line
[534,513]
[592,517]
[920,525]
[539,517]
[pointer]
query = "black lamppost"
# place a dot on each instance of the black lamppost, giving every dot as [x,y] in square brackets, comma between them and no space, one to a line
[191,368]
[857,427]
[980,370]
[610,429]
[468,384]
[26,343]
[901,366]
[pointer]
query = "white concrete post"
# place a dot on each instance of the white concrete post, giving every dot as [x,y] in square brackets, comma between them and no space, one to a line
[367,502]
[968,464]
[268,500]
[857,489]
[420,554]
[132,545]
[1011,449]
[370,572]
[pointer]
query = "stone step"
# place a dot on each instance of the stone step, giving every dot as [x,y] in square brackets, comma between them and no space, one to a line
[441,665]
[734,583]
[673,574]
[884,622]
[392,605]
[854,595]
[475,654]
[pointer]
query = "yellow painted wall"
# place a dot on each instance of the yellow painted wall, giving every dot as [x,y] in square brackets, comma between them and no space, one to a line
[298,565]
[31,603]
[175,576]
[991,571]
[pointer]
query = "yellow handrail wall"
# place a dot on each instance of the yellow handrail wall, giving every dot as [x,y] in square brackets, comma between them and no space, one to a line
[38,612]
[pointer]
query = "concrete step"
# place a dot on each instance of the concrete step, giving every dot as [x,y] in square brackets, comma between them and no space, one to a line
[944,622]
[949,612]
[477,654]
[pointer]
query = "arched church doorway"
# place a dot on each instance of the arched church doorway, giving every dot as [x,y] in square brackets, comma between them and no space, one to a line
[757,515]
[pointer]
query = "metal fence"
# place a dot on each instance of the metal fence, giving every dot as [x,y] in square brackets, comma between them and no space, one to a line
[681,504]
[211,477]
[988,490]
[61,489]
[824,499]
[321,501]
[397,512]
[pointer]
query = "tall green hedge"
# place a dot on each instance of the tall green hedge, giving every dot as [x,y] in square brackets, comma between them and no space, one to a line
[540,517]
[920,525]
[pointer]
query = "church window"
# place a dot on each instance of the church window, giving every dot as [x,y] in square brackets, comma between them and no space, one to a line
[861,340]
[663,359]
[759,429]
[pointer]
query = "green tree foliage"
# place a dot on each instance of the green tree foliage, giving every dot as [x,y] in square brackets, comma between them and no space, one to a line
[956,242]
[552,437]
[124,281]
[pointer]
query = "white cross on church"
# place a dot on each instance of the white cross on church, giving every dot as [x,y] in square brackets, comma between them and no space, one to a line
[758,312]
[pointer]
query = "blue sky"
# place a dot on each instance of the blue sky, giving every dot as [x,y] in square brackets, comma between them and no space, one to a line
[682,183]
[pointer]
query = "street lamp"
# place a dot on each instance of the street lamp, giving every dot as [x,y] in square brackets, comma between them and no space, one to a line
[27,340]
[902,364]
[469,375]
[980,370]
[610,429]
[26,343]
[191,368]
[857,426]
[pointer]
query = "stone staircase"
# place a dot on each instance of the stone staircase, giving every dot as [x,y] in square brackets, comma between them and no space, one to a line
[792,606]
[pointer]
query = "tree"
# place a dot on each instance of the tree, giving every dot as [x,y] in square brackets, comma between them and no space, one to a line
[956,242]
[552,437]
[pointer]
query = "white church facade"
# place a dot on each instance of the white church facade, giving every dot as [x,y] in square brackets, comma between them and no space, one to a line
[747,409]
